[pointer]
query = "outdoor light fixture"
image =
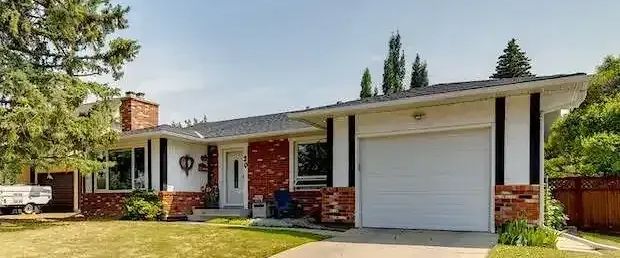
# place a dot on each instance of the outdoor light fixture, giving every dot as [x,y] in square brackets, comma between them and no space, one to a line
[418,115]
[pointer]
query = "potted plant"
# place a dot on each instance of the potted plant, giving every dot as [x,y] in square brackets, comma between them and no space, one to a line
[211,196]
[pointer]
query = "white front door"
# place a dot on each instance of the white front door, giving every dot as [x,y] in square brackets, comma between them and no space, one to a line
[235,176]
[437,181]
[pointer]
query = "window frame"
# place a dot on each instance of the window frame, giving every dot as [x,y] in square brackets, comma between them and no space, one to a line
[293,164]
[106,170]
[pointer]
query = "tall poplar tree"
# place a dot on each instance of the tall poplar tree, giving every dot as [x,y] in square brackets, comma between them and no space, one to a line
[49,51]
[366,85]
[394,66]
[512,63]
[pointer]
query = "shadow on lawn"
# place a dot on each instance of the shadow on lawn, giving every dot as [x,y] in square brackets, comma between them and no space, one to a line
[13,226]
[280,232]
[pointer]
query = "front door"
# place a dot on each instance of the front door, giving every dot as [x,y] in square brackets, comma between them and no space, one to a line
[234,178]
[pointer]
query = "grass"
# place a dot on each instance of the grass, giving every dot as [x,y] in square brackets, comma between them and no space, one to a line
[505,251]
[612,240]
[143,239]
[230,221]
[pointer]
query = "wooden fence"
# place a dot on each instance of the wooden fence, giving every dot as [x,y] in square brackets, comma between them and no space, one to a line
[590,202]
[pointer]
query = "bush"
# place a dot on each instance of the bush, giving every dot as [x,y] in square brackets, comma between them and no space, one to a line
[554,212]
[143,205]
[519,233]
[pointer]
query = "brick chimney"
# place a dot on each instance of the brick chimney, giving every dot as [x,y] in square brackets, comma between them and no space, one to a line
[137,112]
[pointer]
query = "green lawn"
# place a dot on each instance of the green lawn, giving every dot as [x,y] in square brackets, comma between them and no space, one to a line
[504,251]
[601,238]
[142,239]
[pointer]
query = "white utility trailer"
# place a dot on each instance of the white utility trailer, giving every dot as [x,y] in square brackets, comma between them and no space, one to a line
[28,198]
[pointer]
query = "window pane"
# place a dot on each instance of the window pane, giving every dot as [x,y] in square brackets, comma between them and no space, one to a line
[120,171]
[100,180]
[312,159]
[100,177]
[139,180]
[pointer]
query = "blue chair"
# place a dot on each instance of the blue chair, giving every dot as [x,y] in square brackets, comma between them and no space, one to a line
[286,207]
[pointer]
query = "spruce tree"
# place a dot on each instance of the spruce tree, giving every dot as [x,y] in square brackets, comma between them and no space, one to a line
[513,63]
[419,75]
[48,51]
[366,85]
[394,66]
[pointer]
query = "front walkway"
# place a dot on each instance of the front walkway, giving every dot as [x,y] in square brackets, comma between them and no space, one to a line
[396,243]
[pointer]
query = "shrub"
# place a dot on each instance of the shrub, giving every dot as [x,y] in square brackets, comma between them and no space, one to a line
[143,205]
[554,212]
[519,233]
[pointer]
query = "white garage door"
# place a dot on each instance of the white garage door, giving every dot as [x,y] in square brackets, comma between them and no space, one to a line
[437,181]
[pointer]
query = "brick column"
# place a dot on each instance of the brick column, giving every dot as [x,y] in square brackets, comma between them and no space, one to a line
[338,205]
[516,202]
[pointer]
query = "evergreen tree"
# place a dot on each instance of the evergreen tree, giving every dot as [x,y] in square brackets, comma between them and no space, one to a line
[47,47]
[513,63]
[366,85]
[394,66]
[419,75]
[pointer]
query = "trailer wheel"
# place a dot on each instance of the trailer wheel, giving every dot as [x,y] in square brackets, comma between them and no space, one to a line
[29,208]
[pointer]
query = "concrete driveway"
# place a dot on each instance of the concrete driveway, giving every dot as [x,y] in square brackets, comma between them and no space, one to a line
[397,243]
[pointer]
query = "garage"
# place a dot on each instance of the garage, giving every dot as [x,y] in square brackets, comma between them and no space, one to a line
[62,191]
[436,181]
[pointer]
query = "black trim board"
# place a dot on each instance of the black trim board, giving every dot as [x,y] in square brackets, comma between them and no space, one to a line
[500,131]
[535,138]
[149,162]
[33,174]
[330,151]
[163,164]
[351,151]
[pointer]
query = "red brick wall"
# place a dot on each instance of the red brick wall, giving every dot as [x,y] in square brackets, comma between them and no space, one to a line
[515,202]
[338,204]
[310,202]
[267,167]
[110,205]
[138,113]
[212,162]
[102,204]
[180,203]
[268,171]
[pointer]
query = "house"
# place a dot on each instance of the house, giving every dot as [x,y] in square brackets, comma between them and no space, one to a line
[457,156]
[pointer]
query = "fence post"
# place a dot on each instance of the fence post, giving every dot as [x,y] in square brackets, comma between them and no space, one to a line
[579,201]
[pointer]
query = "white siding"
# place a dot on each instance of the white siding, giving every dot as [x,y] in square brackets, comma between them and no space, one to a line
[155,163]
[461,114]
[341,152]
[178,181]
[517,144]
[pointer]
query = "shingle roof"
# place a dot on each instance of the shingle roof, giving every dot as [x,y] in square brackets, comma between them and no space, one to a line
[281,121]
[248,125]
[234,127]
[441,88]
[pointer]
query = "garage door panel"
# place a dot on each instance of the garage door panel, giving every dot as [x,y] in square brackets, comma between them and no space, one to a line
[427,181]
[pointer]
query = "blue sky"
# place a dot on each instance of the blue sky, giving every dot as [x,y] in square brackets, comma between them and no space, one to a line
[230,59]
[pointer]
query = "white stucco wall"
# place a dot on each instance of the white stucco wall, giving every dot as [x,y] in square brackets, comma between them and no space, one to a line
[517,144]
[178,181]
[341,152]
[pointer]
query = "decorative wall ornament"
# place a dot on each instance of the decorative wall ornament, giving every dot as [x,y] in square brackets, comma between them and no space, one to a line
[186,163]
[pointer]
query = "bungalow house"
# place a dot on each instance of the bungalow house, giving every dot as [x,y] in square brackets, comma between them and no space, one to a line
[456,156]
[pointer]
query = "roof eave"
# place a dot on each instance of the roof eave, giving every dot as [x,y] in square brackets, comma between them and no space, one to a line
[496,90]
